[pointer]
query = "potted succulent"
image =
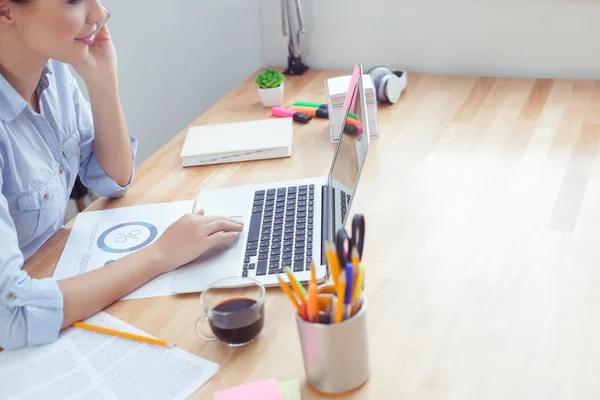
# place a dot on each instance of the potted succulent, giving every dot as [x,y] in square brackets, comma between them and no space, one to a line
[270,87]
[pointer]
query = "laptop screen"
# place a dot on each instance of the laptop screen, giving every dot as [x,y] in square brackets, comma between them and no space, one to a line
[350,154]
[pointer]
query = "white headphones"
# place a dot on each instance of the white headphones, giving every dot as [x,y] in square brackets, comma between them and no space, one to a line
[388,84]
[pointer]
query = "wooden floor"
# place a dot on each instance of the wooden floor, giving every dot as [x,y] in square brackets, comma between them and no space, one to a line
[482,201]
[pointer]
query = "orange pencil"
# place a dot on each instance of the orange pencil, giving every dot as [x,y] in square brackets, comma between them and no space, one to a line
[125,335]
[289,294]
[339,311]
[334,263]
[313,305]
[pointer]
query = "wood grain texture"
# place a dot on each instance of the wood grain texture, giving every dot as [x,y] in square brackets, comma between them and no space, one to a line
[483,237]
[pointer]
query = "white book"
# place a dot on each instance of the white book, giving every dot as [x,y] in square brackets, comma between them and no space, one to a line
[238,141]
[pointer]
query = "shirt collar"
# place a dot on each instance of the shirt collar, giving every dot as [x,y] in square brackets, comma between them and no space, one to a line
[11,102]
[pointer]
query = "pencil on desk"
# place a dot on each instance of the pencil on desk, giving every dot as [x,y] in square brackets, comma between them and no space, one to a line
[125,335]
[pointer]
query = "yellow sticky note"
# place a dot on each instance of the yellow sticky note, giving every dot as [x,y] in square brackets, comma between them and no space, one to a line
[289,390]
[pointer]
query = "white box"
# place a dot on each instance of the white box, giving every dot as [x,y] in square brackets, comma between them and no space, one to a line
[336,89]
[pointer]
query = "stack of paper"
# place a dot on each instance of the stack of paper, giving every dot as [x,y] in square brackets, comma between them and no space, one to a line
[88,365]
[238,141]
[336,89]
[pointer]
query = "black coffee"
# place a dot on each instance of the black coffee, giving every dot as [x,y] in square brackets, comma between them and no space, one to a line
[241,324]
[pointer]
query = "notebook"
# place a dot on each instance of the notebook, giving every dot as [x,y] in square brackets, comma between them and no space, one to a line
[238,141]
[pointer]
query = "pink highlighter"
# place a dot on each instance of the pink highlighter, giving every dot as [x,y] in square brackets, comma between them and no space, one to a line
[286,113]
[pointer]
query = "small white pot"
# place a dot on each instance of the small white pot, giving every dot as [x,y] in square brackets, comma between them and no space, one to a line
[272,96]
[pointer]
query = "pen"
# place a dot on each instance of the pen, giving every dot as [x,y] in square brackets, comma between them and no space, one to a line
[339,309]
[125,335]
[318,105]
[349,287]
[286,113]
[289,294]
[298,288]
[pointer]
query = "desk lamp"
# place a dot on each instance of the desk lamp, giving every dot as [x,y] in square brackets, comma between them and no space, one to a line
[292,25]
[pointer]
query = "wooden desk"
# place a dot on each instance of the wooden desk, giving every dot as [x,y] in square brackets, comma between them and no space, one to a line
[482,200]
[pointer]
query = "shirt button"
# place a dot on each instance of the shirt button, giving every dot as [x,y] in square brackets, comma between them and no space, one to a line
[61,169]
[11,296]
[78,143]
[46,198]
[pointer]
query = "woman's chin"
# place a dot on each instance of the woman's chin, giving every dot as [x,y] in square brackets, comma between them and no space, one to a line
[75,56]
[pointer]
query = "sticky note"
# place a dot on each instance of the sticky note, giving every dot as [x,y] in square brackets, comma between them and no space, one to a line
[290,390]
[260,390]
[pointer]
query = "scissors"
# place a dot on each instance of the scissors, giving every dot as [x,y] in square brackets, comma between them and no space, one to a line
[344,243]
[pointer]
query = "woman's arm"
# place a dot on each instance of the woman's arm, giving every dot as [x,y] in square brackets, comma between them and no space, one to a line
[112,145]
[86,294]
[182,242]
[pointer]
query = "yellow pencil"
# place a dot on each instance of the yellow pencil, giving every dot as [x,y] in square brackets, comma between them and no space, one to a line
[355,260]
[339,311]
[358,288]
[298,288]
[125,335]
[286,289]
[333,261]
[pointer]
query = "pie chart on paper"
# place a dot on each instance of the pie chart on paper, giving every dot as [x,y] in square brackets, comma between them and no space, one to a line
[127,237]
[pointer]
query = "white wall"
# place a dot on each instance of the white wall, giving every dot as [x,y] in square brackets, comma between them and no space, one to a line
[178,58]
[524,38]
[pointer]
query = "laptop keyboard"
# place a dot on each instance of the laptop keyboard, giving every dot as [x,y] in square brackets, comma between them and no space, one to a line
[281,230]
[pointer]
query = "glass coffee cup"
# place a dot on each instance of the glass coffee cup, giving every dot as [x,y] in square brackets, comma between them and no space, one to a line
[234,309]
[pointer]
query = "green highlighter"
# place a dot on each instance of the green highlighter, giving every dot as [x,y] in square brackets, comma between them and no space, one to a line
[318,105]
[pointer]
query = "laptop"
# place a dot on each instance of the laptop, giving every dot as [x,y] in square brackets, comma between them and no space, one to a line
[285,223]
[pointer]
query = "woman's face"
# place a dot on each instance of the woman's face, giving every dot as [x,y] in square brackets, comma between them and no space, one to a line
[59,29]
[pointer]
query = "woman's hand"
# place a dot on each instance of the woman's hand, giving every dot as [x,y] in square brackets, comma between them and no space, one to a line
[100,66]
[192,235]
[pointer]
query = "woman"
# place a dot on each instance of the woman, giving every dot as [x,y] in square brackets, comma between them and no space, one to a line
[48,135]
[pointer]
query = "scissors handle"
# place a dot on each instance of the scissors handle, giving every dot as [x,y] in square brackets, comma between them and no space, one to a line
[358,233]
[340,240]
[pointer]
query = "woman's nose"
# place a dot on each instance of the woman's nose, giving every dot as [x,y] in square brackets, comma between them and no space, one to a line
[97,13]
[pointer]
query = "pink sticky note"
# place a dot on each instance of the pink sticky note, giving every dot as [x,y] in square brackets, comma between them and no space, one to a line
[260,390]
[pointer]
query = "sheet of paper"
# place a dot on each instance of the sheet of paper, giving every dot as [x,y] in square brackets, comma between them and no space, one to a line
[260,390]
[100,237]
[290,390]
[83,364]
